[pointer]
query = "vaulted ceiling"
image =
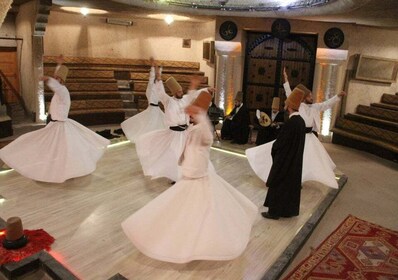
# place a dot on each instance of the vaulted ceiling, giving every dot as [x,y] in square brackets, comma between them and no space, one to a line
[381,13]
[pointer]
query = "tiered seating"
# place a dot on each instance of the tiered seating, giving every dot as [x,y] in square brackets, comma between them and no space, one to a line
[95,94]
[372,128]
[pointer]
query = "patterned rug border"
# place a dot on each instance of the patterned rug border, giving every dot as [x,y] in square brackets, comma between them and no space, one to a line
[326,245]
[281,264]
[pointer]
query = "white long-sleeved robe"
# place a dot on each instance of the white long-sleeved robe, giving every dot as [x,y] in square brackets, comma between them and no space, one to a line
[152,118]
[62,150]
[201,217]
[160,150]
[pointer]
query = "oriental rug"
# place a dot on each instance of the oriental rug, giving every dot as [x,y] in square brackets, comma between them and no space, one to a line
[356,250]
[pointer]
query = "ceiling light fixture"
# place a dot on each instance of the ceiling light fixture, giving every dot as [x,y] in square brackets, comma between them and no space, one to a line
[84,11]
[169,19]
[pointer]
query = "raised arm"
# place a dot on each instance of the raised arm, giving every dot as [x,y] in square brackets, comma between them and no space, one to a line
[160,91]
[323,106]
[286,84]
[60,61]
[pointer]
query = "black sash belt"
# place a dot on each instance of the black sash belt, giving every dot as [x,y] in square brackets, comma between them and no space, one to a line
[308,129]
[153,104]
[49,119]
[179,127]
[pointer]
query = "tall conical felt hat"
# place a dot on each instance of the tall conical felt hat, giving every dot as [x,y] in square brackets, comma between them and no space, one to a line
[203,100]
[62,72]
[295,98]
[304,89]
[275,103]
[239,96]
[173,85]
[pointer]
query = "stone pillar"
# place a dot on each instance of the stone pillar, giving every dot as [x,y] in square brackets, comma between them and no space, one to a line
[37,51]
[228,73]
[328,81]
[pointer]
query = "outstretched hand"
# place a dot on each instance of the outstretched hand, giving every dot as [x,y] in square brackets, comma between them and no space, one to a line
[195,82]
[44,78]
[212,91]
[60,59]
[341,94]
[152,61]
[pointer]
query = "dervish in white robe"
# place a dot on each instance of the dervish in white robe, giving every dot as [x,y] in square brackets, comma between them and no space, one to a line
[201,217]
[159,150]
[62,150]
[317,164]
[151,118]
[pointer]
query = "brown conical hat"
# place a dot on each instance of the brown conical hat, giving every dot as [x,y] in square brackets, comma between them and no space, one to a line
[14,229]
[173,85]
[62,72]
[203,100]
[304,89]
[275,103]
[295,98]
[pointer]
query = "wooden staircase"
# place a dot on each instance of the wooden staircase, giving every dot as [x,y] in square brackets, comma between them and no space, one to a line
[108,90]
[372,128]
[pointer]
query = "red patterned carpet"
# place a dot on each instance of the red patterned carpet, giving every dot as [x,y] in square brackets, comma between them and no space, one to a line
[355,250]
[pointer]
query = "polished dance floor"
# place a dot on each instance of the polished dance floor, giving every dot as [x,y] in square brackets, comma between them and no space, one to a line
[84,216]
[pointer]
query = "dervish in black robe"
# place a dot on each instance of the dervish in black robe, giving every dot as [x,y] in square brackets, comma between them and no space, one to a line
[284,180]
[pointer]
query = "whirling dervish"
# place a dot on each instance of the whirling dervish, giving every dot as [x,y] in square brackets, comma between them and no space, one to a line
[201,217]
[317,165]
[160,150]
[63,149]
[152,118]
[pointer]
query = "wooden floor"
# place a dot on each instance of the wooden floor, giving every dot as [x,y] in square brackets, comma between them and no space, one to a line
[84,216]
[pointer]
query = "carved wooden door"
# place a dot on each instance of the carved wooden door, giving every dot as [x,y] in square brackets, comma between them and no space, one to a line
[265,57]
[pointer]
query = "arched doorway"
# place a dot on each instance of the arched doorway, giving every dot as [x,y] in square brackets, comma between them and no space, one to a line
[265,58]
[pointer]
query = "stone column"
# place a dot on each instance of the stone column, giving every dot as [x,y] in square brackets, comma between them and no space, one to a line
[37,50]
[228,73]
[327,83]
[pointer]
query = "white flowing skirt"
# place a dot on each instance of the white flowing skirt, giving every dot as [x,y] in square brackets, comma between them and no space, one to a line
[196,219]
[55,153]
[317,164]
[159,152]
[149,120]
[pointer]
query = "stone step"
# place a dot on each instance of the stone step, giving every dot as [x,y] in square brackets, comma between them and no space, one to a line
[140,86]
[365,143]
[88,104]
[52,60]
[388,125]
[377,112]
[90,95]
[89,117]
[129,104]
[376,133]
[385,106]
[83,73]
[90,80]
[390,99]
[179,77]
